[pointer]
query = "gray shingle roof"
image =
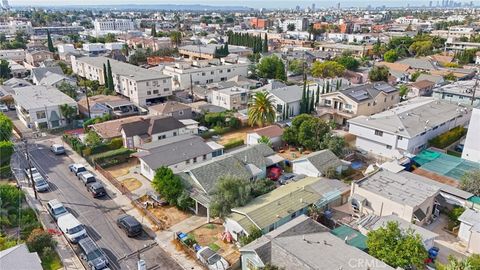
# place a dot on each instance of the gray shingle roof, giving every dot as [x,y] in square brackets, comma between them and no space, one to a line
[369,91]
[40,72]
[39,96]
[288,94]
[18,257]
[322,160]
[151,126]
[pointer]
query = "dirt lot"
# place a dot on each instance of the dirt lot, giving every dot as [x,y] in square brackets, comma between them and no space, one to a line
[211,235]
[235,135]
[291,153]
[122,169]
[131,184]
[169,215]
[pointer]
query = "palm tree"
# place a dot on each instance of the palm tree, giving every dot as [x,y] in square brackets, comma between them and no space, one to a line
[176,38]
[261,110]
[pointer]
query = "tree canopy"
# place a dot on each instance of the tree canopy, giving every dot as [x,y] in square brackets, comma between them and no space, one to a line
[348,61]
[390,56]
[261,110]
[397,247]
[167,184]
[230,192]
[470,182]
[6,127]
[271,67]
[327,69]
[377,74]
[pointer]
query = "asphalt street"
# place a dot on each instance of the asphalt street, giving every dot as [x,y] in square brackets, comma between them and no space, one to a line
[98,215]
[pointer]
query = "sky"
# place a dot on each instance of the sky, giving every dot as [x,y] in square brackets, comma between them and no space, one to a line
[249,3]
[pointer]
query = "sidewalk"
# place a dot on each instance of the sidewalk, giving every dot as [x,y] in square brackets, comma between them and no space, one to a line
[126,205]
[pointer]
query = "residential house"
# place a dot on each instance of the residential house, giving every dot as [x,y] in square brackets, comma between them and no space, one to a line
[303,243]
[15,82]
[40,73]
[373,222]
[19,257]
[93,49]
[250,163]
[113,128]
[153,129]
[101,105]
[469,231]
[286,101]
[339,48]
[318,164]
[273,133]
[270,211]
[35,58]
[471,148]
[406,128]
[421,88]
[54,79]
[39,106]
[176,153]
[459,92]
[17,70]
[233,98]
[141,86]
[403,194]
[17,55]
[175,109]
[186,74]
[368,99]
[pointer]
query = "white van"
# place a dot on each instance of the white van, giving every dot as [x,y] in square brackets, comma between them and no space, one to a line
[71,227]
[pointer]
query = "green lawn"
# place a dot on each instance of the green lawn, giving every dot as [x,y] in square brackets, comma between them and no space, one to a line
[51,262]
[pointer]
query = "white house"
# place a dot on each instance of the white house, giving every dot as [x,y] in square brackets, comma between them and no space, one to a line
[317,164]
[17,55]
[39,106]
[469,231]
[287,101]
[471,148]
[94,48]
[233,98]
[407,127]
[273,132]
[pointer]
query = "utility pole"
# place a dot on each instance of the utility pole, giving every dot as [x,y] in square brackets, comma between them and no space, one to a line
[474,90]
[86,95]
[30,168]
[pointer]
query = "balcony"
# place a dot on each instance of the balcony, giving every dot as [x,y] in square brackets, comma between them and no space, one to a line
[323,110]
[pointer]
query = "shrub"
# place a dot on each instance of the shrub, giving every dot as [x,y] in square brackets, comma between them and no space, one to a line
[39,240]
[254,234]
[5,172]
[233,143]
[111,158]
[445,139]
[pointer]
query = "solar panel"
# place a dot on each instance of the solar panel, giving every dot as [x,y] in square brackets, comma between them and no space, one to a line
[360,95]
[385,88]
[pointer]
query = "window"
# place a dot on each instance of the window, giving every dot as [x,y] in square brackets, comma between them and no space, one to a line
[204,157]
[203,73]
[174,133]
[385,100]
[228,70]
[392,97]
[212,72]
[378,133]
[155,91]
[161,137]
[399,138]
[194,160]
[187,161]
[41,115]
[388,146]
[348,106]
[223,79]
[149,92]
[328,102]
[180,112]
[148,84]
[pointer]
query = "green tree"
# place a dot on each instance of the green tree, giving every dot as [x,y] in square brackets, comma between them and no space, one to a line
[4,69]
[265,140]
[68,89]
[110,37]
[105,75]
[230,192]
[176,38]
[348,61]
[68,112]
[312,132]
[421,48]
[6,126]
[110,77]
[265,44]
[51,48]
[168,185]
[390,56]
[154,31]
[378,73]
[296,66]
[327,69]
[334,143]
[271,267]
[450,77]
[470,182]
[254,234]
[403,90]
[93,139]
[261,110]
[6,152]
[291,27]
[39,240]
[271,67]
[396,247]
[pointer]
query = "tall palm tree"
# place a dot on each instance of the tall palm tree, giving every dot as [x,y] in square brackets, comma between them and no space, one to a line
[261,110]
[176,38]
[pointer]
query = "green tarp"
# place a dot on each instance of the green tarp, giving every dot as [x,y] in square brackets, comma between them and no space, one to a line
[443,164]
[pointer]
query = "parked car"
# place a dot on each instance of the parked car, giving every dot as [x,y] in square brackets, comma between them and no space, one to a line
[274,173]
[40,184]
[211,259]
[77,168]
[35,172]
[285,177]
[56,209]
[71,227]
[4,108]
[86,177]
[129,225]
[96,189]
[57,149]
[91,253]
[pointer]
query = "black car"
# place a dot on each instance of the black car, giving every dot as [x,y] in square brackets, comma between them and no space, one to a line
[97,189]
[130,225]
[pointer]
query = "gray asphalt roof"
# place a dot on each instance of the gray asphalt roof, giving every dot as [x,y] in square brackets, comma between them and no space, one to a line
[402,187]
[470,216]
[39,96]
[288,94]
[124,69]
[412,117]
[306,244]
[18,257]
[418,63]
[40,72]
[322,160]
[51,78]
[368,92]
[174,150]
[150,126]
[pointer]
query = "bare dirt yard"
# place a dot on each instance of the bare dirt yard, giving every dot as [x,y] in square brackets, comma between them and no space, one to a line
[169,215]
[122,169]
[131,184]
[235,135]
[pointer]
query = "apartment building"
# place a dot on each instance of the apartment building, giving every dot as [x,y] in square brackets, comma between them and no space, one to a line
[454,32]
[301,24]
[39,106]
[113,25]
[14,26]
[406,128]
[339,48]
[368,99]
[459,92]
[259,23]
[17,55]
[233,98]
[141,85]
[94,48]
[35,58]
[186,74]
[207,52]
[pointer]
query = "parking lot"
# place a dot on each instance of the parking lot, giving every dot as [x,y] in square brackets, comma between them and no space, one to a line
[98,215]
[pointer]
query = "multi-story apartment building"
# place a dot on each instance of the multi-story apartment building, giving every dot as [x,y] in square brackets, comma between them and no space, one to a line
[368,99]
[407,128]
[207,52]
[233,98]
[186,74]
[301,24]
[112,26]
[14,26]
[459,92]
[454,32]
[141,85]
[57,30]
[17,55]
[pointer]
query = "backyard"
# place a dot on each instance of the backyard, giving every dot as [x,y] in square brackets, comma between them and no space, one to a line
[240,134]
[168,215]
[211,235]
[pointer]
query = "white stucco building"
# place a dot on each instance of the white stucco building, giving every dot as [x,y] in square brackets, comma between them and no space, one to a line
[471,148]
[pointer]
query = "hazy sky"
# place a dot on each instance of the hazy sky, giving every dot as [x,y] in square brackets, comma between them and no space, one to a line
[250,3]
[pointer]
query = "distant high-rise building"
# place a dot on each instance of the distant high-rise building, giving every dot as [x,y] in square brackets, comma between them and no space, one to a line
[5,5]
[313,7]
[338,5]
[443,3]
[430,4]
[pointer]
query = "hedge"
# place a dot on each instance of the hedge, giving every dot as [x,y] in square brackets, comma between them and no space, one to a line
[233,143]
[5,172]
[75,143]
[445,139]
[85,151]
[216,131]
[111,158]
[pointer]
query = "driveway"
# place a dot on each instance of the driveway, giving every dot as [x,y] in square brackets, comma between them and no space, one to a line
[98,215]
